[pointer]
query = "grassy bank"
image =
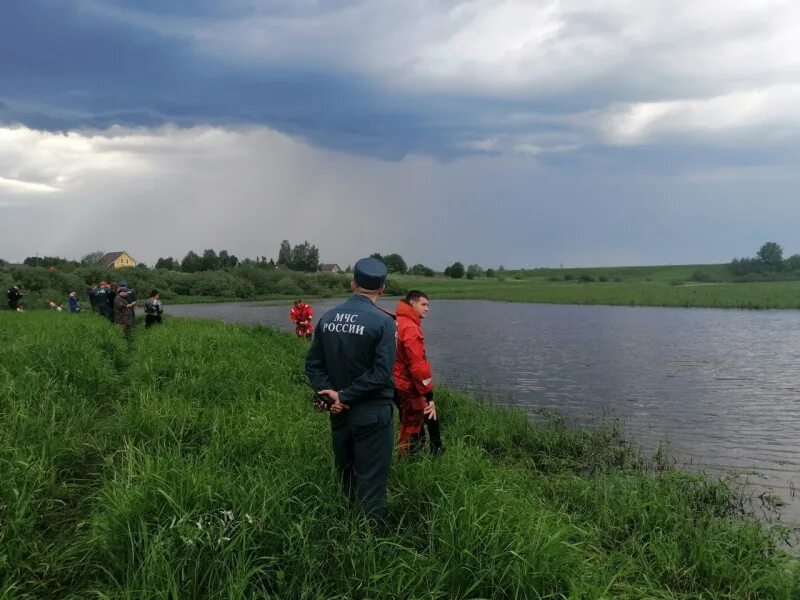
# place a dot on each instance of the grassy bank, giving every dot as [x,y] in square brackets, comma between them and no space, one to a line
[762,295]
[188,464]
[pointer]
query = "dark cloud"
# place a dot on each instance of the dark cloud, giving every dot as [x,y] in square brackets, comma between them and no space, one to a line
[86,71]
[582,134]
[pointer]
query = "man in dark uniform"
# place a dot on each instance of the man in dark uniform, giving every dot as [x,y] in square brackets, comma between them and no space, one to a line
[14,296]
[101,299]
[351,361]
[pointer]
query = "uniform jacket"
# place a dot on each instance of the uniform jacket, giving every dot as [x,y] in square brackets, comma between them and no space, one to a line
[73,304]
[101,300]
[412,371]
[353,353]
[304,312]
[122,314]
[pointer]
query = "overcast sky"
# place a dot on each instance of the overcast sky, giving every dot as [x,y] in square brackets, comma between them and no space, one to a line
[522,133]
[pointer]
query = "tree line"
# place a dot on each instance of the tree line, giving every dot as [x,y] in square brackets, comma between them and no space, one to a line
[302,257]
[768,263]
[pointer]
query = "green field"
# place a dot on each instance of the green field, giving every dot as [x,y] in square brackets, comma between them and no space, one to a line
[189,464]
[624,286]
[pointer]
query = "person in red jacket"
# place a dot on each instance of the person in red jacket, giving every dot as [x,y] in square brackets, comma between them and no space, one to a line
[413,379]
[301,315]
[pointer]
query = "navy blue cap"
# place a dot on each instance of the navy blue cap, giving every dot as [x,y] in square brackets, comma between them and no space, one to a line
[369,273]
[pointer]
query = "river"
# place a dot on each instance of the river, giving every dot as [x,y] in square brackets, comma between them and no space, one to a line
[718,389]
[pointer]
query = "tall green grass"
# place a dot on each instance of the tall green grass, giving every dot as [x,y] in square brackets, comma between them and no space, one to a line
[189,464]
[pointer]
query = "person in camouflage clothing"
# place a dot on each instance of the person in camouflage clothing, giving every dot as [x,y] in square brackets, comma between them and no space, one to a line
[123,311]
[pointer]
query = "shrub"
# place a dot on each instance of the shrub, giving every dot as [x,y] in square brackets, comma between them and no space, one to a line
[334,282]
[419,269]
[218,283]
[262,280]
[702,276]
[585,278]
[309,286]
[178,283]
[395,288]
[288,287]
[456,270]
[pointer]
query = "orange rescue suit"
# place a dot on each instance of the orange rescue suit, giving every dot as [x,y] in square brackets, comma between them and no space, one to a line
[412,375]
[300,314]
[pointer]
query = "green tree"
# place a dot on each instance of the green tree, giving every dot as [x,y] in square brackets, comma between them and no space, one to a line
[227,261]
[420,269]
[490,272]
[49,261]
[793,262]
[284,254]
[210,260]
[456,270]
[771,254]
[395,263]
[474,271]
[92,257]
[377,255]
[304,257]
[191,263]
[167,264]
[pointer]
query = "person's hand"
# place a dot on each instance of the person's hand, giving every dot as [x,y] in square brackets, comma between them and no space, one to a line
[430,411]
[337,406]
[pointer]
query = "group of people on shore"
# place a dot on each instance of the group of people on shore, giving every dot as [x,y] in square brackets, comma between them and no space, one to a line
[114,301]
[364,359]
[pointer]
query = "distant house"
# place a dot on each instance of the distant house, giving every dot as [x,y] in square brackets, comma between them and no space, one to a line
[118,260]
[330,268]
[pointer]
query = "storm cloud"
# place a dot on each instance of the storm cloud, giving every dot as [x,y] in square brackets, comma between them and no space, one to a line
[497,132]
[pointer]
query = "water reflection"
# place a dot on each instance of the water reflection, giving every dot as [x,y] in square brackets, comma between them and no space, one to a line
[719,386]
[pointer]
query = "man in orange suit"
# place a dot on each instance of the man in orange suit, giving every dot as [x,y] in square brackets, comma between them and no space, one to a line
[301,315]
[413,379]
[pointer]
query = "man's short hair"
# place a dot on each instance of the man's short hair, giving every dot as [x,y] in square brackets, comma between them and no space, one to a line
[415,295]
[154,293]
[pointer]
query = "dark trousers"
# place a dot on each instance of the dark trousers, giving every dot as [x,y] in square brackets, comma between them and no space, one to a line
[434,433]
[417,441]
[362,449]
[151,320]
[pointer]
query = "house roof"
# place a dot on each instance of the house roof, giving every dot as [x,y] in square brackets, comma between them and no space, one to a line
[109,258]
[329,266]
